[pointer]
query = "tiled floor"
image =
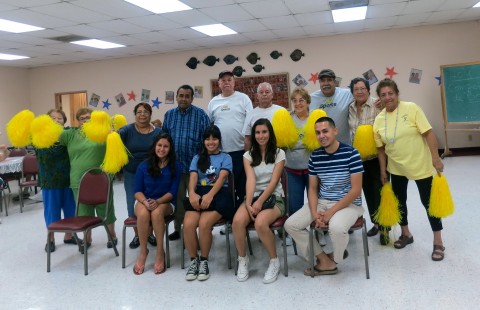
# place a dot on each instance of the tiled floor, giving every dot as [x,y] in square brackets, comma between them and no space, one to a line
[400,279]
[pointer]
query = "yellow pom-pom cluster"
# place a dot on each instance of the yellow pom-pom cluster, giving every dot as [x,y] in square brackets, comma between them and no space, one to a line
[45,131]
[18,128]
[388,213]
[119,121]
[115,155]
[98,127]
[285,130]
[364,141]
[441,202]
[310,138]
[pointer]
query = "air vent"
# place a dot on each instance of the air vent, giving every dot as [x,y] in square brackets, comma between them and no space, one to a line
[69,38]
[338,5]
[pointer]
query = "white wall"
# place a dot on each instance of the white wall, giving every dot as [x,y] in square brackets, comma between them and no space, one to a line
[424,48]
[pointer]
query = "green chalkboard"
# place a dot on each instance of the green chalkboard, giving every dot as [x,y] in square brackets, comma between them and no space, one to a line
[461,93]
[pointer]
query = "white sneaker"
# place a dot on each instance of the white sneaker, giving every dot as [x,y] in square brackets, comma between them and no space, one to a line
[192,272]
[288,241]
[242,271]
[272,272]
[203,271]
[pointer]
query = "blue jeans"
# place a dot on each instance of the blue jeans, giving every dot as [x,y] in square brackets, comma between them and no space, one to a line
[296,190]
[129,184]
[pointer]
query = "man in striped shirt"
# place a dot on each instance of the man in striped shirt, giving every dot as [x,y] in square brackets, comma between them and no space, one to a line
[334,198]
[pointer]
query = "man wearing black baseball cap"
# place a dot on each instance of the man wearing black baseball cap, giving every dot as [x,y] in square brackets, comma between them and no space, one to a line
[334,101]
[228,111]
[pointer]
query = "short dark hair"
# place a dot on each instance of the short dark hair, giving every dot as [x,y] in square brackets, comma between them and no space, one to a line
[145,105]
[203,158]
[387,83]
[327,119]
[359,79]
[185,86]
[58,111]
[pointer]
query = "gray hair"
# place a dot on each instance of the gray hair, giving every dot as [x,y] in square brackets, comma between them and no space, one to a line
[265,84]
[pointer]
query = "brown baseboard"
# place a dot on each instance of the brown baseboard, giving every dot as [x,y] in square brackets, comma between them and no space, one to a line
[464,151]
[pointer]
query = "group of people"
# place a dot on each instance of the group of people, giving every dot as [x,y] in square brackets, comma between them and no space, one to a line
[183,168]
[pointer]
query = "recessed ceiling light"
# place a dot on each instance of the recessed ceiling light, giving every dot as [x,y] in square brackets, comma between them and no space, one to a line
[11,57]
[9,26]
[159,7]
[97,44]
[477,5]
[214,30]
[350,14]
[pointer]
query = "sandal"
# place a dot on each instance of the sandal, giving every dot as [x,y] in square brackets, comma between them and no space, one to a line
[319,272]
[438,252]
[139,269]
[403,241]
[159,268]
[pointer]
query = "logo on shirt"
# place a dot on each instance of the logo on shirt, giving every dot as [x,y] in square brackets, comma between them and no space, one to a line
[225,107]
[328,103]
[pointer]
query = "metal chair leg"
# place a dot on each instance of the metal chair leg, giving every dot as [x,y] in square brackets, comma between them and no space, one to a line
[124,233]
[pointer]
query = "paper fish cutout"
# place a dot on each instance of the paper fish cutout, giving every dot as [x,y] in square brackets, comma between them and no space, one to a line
[230,59]
[258,68]
[211,60]
[238,71]
[296,55]
[253,58]
[275,54]
[192,63]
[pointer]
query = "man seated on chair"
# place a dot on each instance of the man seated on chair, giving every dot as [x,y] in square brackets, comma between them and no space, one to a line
[335,184]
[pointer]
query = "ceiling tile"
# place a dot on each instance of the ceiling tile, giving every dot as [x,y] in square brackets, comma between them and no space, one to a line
[306,6]
[279,22]
[246,26]
[153,22]
[269,8]
[119,26]
[228,13]
[71,12]
[316,18]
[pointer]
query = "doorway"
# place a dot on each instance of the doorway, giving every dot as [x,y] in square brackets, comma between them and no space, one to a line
[70,102]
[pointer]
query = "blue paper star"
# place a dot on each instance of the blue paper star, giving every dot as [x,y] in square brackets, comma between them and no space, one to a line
[439,79]
[156,103]
[106,104]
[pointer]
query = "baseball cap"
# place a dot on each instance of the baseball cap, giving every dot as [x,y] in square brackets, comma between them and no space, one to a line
[326,73]
[225,72]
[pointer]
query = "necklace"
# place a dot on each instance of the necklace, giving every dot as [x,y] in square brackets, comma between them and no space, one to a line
[142,130]
[391,140]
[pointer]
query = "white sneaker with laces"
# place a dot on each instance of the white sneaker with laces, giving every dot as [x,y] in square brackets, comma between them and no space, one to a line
[203,271]
[242,271]
[192,272]
[272,272]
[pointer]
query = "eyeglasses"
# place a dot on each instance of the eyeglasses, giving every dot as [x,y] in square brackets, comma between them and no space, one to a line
[359,89]
[143,113]
[267,92]
[83,119]
[301,100]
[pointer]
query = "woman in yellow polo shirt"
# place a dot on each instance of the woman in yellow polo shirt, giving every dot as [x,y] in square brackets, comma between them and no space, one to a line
[404,135]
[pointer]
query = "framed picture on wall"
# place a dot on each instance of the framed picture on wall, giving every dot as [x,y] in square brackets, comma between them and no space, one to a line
[248,85]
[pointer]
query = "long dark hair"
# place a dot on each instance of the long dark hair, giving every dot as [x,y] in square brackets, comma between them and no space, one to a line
[153,159]
[203,157]
[271,149]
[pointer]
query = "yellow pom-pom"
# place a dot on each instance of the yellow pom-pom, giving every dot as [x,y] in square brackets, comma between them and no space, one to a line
[119,121]
[18,128]
[98,127]
[310,138]
[285,130]
[441,202]
[364,141]
[388,213]
[45,131]
[115,155]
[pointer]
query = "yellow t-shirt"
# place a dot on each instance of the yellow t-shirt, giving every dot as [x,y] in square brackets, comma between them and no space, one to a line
[401,134]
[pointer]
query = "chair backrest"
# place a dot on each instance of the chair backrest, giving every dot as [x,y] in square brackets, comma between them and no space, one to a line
[94,188]
[30,165]
[18,152]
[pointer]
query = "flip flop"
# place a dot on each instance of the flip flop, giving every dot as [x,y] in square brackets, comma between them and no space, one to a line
[438,252]
[138,271]
[159,268]
[319,272]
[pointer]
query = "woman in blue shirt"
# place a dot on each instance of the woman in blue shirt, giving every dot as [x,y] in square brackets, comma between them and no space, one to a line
[209,199]
[156,186]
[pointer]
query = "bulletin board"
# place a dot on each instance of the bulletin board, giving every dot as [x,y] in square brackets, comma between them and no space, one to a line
[248,85]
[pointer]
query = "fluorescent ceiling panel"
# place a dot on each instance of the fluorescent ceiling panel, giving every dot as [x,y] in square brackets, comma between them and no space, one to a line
[11,57]
[214,30]
[10,26]
[162,6]
[477,5]
[350,14]
[98,44]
